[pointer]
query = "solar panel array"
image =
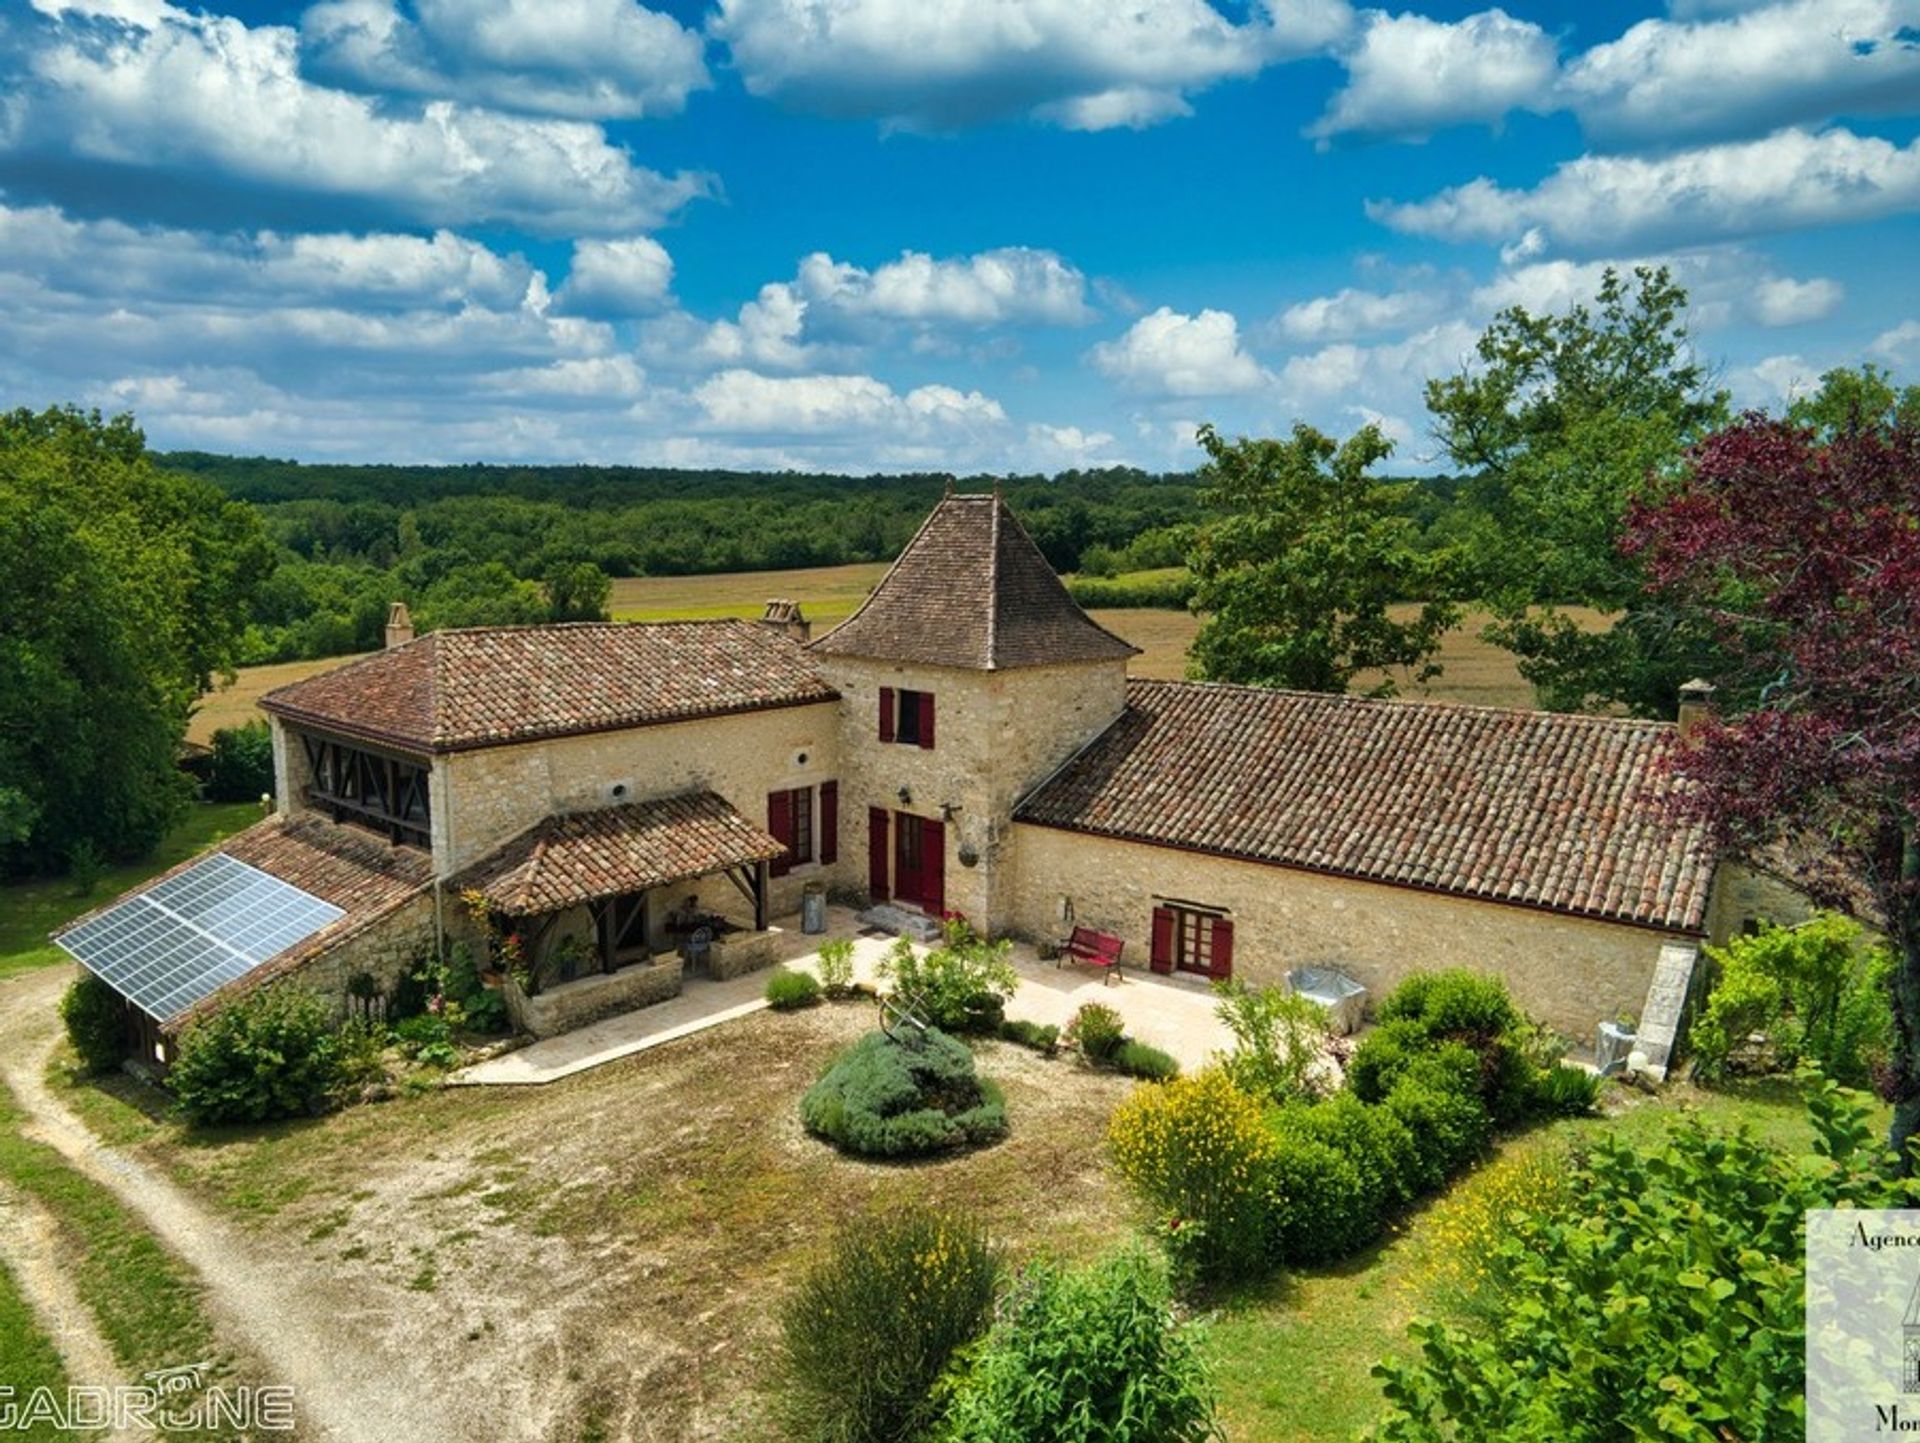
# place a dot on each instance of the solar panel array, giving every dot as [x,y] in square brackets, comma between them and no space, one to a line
[192,934]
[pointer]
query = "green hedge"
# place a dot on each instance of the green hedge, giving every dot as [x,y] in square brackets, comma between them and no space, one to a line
[1170,593]
[269,1054]
[96,1021]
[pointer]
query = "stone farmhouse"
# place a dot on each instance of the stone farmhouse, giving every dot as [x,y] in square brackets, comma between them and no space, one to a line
[967,741]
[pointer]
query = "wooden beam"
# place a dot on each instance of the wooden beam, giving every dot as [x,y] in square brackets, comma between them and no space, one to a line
[741,881]
[760,897]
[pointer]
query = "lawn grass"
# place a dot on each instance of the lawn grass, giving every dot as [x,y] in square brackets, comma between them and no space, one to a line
[146,1302]
[28,1359]
[1295,1357]
[30,910]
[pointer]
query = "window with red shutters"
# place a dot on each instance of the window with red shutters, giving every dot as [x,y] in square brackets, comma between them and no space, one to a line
[829,822]
[925,699]
[886,713]
[1191,937]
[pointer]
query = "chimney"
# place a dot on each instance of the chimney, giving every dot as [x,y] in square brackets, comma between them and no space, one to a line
[399,625]
[785,616]
[1696,706]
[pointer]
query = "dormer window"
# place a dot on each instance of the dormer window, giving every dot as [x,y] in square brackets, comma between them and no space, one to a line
[906,717]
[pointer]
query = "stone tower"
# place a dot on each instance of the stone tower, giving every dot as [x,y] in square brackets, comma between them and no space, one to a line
[968,675]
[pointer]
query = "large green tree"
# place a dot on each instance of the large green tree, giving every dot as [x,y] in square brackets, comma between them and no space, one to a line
[1559,423]
[1305,555]
[123,591]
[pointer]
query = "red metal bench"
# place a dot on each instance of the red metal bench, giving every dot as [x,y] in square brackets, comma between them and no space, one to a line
[1095,949]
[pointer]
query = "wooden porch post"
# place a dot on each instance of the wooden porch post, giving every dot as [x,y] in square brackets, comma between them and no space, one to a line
[760,872]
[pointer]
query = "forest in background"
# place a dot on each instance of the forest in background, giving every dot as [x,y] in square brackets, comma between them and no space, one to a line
[489,545]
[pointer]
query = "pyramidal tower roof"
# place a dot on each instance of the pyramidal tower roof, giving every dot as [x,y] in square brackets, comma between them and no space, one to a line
[972,590]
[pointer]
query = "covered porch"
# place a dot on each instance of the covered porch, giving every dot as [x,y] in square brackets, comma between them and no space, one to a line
[600,912]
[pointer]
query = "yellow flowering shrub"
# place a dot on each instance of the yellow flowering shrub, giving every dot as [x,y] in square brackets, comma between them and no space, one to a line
[1199,1151]
[1512,1193]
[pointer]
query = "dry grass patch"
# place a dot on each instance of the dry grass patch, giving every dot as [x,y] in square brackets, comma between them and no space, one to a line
[624,1233]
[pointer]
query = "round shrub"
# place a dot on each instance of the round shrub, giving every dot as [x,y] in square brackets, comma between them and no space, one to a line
[1137,1059]
[870,1329]
[96,1021]
[1566,1091]
[1329,1202]
[1198,1149]
[1438,1099]
[1383,1054]
[1097,1031]
[268,1054]
[1476,1012]
[1453,1003]
[788,991]
[882,1098]
[1091,1356]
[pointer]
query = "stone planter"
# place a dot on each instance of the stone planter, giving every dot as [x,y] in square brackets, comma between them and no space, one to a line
[738,953]
[568,1005]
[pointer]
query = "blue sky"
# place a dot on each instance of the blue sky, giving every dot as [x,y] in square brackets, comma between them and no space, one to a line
[967,235]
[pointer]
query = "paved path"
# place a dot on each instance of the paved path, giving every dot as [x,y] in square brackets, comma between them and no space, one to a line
[1176,1016]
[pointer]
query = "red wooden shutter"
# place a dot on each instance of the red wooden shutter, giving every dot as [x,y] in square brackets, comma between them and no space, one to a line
[933,866]
[1222,947]
[780,823]
[829,822]
[877,853]
[886,713]
[1162,956]
[926,721]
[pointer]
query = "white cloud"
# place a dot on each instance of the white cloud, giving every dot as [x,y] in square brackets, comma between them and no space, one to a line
[1725,285]
[1384,374]
[1166,353]
[1771,381]
[617,277]
[1896,345]
[1409,76]
[944,64]
[214,102]
[1723,76]
[1014,285]
[1784,301]
[741,401]
[1790,180]
[1350,313]
[112,261]
[832,309]
[586,59]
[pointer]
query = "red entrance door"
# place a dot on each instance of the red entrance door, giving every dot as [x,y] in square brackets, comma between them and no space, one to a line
[920,861]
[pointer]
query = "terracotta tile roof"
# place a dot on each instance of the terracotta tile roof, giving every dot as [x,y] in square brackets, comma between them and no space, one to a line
[455,690]
[353,869]
[972,590]
[1562,812]
[585,856]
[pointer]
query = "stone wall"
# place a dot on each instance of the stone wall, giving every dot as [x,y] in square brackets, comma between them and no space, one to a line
[484,798]
[588,999]
[1743,894]
[1569,972]
[386,950]
[996,736]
